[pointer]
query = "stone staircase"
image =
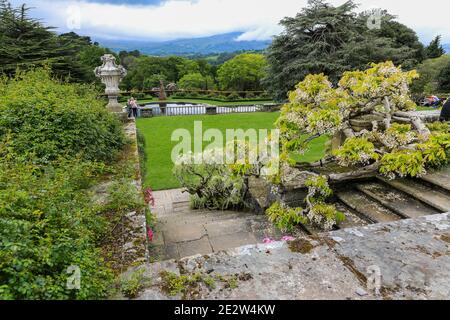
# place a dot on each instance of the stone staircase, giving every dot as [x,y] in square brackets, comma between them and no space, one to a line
[182,232]
[381,200]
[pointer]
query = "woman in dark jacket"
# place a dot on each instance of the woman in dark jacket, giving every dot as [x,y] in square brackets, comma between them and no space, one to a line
[445,113]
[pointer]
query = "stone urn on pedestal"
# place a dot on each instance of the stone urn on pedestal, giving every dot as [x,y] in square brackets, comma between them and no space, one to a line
[111,74]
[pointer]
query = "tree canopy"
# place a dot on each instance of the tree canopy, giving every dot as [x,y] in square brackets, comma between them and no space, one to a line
[242,73]
[435,48]
[326,39]
[26,43]
[432,76]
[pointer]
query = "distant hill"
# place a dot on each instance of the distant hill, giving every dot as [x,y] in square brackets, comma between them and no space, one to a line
[200,46]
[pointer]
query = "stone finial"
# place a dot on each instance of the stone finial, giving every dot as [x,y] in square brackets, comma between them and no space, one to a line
[111,74]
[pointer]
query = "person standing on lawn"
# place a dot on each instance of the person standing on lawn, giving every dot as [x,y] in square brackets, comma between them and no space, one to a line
[134,107]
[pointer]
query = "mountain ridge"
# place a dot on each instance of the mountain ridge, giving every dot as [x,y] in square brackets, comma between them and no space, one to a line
[222,43]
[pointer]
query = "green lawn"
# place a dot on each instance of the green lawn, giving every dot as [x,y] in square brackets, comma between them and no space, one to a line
[205,101]
[158,130]
[420,108]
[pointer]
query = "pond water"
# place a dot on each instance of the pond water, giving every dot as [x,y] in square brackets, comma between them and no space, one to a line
[175,109]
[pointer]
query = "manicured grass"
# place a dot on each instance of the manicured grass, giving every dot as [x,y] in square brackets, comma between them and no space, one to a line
[206,101]
[157,132]
[420,108]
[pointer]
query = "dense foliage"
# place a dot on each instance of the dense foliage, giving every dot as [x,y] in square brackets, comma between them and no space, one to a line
[196,81]
[331,40]
[43,119]
[143,69]
[212,185]
[55,140]
[444,79]
[45,227]
[433,76]
[243,73]
[435,48]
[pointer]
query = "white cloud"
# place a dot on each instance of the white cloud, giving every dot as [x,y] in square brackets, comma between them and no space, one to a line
[257,18]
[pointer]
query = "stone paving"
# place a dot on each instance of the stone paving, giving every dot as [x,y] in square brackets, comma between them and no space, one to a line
[182,232]
[406,259]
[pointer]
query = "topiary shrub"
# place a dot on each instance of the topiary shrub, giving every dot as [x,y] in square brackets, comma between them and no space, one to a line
[44,119]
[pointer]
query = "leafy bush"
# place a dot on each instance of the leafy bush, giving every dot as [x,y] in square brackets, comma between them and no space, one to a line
[285,218]
[211,185]
[55,142]
[436,151]
[48,223]
[317,213]
[356,151]
[234,96]
[403,163]
[45,119]
[249,95]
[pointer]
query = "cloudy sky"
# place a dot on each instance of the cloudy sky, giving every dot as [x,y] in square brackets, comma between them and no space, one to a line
[173,19]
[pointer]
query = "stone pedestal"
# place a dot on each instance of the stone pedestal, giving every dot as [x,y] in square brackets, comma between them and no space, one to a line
[111,74]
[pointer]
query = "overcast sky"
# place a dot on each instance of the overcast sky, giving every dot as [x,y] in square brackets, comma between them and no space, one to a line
[173,19]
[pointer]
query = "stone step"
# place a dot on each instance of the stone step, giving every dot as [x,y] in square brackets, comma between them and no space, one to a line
[192,217]
[395,200]
[428,195]
[368,209]
[181,206]
[207,236]
[440,178]
[352,220]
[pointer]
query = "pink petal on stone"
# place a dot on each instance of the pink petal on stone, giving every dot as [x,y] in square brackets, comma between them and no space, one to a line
[268,240]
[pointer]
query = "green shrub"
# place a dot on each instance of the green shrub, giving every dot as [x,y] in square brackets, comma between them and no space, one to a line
[132,285]
[55,141]
[179,94]
[45,119]
[249,95]
[192,95]
[211,185]
[47,224]
[234,96]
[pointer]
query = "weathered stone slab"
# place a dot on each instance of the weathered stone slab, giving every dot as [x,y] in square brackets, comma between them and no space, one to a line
[220,228]
[233,240]
[412,256]
[366,207]
[191,248]
[396,201]
[440,178]
[430,196]
[183,233]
